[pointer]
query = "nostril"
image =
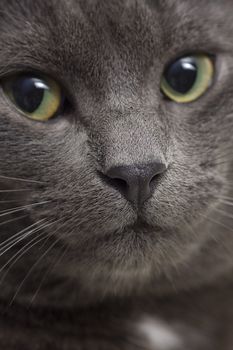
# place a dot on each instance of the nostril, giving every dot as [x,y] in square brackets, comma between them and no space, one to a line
[117,183]
[155,179]
[120,184]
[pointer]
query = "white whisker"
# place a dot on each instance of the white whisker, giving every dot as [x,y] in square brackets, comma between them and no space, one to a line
[25,206]
[12,220]
[226,214]
[11,244]
[20,190]
[226,203]
[13,260]
[216,222]
[12,238]
[9,201]
[21,253]
[225,198]
[16,210]
[53,266]
[53,234]
[33,267]
[20,179]
[191,229]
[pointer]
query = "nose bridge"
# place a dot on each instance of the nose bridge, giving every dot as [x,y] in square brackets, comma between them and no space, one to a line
[133,141]
[134,161]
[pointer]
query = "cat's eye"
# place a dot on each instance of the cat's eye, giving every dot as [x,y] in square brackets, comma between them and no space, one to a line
[188,78]
[39,98]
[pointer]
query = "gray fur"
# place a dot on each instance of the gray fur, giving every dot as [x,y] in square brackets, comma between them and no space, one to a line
[104,277]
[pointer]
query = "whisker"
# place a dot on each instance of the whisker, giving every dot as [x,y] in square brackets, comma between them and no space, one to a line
[21,253]
[216,222]
[222,162]
[225,152]
[9,201]
[52,267]
[228,186]
[191,229]
[227,198]
[12,238]
[12,220]
[226,214]
[16,210]
[226,203]
[10,245]
[20,179]
[20,190]
[24,206]
[33,267]
[54,233]
[223,159]
[13,260]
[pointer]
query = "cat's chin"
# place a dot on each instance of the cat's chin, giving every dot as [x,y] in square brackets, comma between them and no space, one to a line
[120,256]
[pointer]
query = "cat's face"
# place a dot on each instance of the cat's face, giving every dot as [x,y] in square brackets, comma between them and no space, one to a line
[109,58]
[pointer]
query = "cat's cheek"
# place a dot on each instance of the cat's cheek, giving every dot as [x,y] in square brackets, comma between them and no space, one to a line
[183,197]
[83,219]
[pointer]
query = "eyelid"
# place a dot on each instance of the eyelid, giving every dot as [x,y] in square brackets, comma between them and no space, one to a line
[211,55]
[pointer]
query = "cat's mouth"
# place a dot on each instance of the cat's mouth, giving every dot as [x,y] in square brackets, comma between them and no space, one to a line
[142,227]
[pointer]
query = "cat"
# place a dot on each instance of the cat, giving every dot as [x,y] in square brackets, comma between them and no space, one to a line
[116,165]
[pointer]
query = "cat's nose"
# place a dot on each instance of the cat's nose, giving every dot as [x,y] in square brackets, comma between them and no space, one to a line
[136,182]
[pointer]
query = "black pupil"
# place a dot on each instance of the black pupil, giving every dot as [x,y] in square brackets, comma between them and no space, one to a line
[28,93]
[182,74]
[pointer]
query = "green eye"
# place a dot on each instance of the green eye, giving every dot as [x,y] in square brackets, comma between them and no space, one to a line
[186,79]
[36,97]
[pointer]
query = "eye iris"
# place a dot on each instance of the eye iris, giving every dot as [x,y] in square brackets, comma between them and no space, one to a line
[28,93]
[188,78]
[182,75]
[38,97]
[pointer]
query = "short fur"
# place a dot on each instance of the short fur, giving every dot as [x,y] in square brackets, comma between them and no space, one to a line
[106,275]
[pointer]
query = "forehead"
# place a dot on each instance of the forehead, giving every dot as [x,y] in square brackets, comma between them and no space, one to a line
[77,34]
[71,15]
[98,9]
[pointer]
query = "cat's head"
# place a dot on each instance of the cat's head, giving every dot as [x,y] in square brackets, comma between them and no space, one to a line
[129,177]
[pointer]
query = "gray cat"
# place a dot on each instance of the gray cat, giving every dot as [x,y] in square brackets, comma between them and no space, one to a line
[116,191]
